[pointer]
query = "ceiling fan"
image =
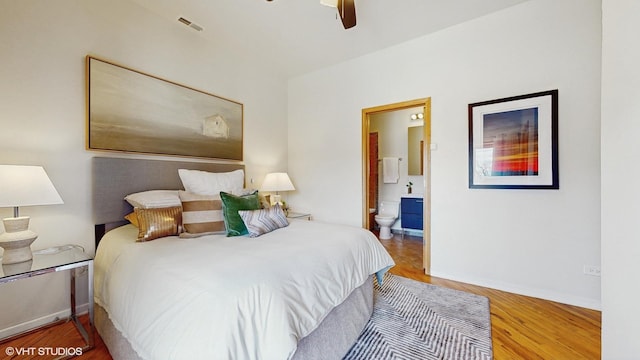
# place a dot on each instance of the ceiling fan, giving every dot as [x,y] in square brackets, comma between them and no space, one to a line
[346,9]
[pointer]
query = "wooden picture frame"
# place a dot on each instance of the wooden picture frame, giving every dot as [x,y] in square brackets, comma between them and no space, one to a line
[513,142]
[134,112]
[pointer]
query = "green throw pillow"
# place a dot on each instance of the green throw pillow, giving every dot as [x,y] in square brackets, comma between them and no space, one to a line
[231,204]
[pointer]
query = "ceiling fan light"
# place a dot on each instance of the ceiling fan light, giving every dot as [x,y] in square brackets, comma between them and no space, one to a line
[332,3]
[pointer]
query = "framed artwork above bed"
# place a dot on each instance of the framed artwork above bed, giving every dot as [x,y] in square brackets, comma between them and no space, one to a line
[134,112]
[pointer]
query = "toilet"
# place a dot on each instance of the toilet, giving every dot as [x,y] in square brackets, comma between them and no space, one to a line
[386,217]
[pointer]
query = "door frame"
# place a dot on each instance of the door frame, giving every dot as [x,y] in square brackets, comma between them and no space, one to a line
[366,113]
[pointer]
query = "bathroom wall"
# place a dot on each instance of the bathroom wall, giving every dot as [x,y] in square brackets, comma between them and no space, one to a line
[392,139]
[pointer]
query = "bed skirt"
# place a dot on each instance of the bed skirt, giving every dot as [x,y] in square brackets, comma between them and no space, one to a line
[331,340]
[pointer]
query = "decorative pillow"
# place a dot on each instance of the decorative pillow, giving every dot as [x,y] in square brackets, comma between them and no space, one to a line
[262,221]
[231,204]
[158,222]
[132,218]
[201,215]
[208,183]
[265,201]
[153,199]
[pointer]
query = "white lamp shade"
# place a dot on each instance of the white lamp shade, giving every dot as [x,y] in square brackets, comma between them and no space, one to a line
[26,186]
[277,182]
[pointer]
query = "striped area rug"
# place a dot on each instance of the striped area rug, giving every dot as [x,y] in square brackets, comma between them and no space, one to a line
[415,320]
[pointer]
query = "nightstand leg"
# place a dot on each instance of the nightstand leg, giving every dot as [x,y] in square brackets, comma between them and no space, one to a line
[92,328]
[87,334]
[73,294]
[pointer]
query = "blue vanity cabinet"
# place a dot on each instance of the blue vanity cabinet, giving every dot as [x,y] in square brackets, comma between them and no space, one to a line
[411,216]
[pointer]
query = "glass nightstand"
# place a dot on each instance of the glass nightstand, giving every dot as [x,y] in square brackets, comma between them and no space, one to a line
[61,258]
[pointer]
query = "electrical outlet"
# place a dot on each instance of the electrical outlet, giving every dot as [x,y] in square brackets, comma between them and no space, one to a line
[592,270]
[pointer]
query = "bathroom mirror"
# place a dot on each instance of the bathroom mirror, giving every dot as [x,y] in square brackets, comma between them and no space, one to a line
[416,150]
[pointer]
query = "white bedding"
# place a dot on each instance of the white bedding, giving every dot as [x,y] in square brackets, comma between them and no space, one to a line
[220,297]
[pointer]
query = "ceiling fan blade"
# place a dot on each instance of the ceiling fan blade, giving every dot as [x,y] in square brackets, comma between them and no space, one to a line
[347,11]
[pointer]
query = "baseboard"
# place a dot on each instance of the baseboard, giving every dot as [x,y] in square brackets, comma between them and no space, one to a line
[411,232]
[526,291]
[41,321]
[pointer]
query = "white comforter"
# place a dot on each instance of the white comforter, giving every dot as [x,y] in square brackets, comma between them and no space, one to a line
[230,298]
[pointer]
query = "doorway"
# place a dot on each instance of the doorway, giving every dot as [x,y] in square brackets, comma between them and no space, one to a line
[367,160]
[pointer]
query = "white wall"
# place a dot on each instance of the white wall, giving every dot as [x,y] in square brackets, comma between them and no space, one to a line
[620,195]
[530,242]
[42,104]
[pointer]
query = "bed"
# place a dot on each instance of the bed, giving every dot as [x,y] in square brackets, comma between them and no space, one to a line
[303,291]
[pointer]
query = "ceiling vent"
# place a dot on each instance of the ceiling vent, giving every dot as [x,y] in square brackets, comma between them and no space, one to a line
[190,24]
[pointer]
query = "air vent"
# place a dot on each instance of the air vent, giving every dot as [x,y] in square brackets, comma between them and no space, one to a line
[190,24]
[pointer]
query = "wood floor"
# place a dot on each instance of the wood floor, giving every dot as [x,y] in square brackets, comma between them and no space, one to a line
[522,327]
[53,340]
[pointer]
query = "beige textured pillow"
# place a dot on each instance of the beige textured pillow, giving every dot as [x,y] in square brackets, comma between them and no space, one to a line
[158,222]
[201,215]
[153,199]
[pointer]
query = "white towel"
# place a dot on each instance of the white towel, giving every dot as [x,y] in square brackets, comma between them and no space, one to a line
[390,171]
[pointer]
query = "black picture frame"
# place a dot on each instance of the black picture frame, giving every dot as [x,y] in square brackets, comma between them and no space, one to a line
[513,142]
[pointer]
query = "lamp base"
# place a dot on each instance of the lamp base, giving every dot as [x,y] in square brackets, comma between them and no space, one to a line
[16,241]
[276,199]
[17,268]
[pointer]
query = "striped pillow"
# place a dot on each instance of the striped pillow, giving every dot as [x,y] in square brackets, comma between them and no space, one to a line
[201,215]
[259,222]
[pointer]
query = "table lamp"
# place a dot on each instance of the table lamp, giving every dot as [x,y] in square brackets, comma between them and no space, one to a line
[277,182]
[22,186]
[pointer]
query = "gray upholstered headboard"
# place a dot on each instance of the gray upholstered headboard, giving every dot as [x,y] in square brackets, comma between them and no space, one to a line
[114,178]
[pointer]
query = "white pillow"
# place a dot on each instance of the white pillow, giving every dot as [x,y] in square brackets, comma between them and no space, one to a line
[152,199]
[208,183]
